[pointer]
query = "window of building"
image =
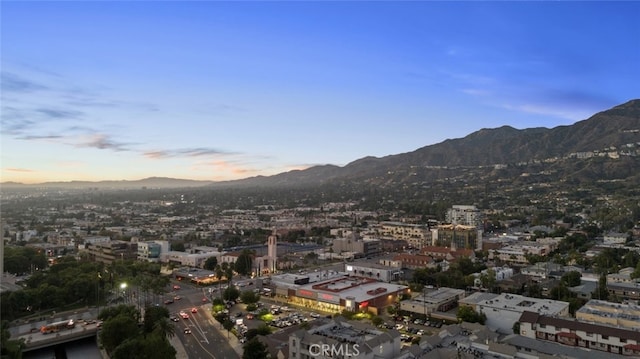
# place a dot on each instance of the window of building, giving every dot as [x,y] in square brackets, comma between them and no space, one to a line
[605,337]
[622,340]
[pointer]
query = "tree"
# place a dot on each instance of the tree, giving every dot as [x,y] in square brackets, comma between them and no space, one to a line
[231,293]
[178,246]
[601,291]
[572,278]
[249,297]
[636,272]
[244,263]
[516,328]
[211,263]
[164,328]
[489,279]
[468,314]
[152,316]
[254,349]
[10,349]
[376,320]
[261,330]
[116,330]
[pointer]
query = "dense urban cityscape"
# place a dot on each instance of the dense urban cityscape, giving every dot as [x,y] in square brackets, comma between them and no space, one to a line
[168,274]
[320,180]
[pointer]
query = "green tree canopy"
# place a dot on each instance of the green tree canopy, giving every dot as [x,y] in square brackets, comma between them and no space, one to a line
[211,263]
[468,314]
[572,278]
[244,263]
[254,349]
[249,297]
[118,329]
[231,293]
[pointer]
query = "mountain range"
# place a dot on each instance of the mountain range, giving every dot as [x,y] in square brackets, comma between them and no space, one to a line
[605,146]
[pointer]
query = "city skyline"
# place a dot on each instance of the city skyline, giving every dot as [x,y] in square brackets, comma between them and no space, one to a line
[220,91]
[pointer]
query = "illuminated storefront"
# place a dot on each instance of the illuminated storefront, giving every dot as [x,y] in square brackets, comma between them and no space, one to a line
[346,293]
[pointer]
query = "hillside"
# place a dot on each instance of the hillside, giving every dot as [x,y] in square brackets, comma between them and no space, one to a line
[605,146]
[611,133]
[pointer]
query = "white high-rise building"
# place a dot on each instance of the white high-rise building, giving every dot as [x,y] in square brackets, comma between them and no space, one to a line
[464,215]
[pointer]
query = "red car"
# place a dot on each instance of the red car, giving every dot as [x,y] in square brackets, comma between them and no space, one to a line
[194,310]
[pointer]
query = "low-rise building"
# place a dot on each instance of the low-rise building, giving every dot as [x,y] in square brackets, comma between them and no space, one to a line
[151,251]
[626,291]
[365,247]
[625,315]
[188,259]
[504,310]
[432,300]
[615,238]
[110,251]
[518,252]
[580,334]
[341,339]
[373,270]
[623,276]
[412,233]
[415,261]
[334,292]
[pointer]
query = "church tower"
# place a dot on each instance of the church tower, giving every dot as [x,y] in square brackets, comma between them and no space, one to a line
[272,251]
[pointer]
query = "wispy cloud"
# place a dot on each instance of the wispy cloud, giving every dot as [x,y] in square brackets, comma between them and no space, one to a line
[57,114]
[227,167]
[42,137]
[11,82]
[21,170]
[186,152]
[103,142]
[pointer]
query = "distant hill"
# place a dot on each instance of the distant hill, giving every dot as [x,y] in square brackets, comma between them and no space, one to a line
[605,146]
[613,129]
[151,182]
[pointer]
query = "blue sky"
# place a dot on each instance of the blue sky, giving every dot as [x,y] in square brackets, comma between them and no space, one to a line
[226,90]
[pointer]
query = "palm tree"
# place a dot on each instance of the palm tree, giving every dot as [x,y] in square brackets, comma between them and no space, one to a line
[219,274]
[165,328]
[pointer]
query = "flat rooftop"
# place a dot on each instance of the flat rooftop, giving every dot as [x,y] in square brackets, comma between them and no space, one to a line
[514,302]
[611,310]
[362,289]
[350,333]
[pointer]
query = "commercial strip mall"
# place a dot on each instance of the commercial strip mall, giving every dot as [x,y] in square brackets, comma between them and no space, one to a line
[333,292]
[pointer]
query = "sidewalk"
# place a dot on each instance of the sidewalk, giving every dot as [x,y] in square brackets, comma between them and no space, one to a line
[233,341]
[181,353]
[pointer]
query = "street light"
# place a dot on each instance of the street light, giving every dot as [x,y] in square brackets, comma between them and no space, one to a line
[123,287]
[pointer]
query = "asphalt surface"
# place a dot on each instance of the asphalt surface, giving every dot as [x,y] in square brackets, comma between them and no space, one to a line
[207,338]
